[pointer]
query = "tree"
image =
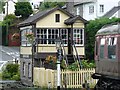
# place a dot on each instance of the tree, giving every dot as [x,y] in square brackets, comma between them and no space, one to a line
[2,4]
[9,19]
[91,29]
[9,26]
[47,5]
[24,9]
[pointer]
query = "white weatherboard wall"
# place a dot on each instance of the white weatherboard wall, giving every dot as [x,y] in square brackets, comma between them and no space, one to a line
[108,5]
[86,14]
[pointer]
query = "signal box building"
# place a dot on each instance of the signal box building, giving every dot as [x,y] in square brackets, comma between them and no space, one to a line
[47,26]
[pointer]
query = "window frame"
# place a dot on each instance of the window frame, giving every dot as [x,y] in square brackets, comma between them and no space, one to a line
[91,9]
[54,34]
[29,70]
[102,44]
[101,8]
[57,18]
[25,41]
[112,43]
[78,39]
[24,67]
[78,11]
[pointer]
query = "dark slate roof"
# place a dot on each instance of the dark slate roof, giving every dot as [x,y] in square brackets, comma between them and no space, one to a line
[79,2]
[72,20]
[83,2]
[33,19]
[109,29]
[111,12]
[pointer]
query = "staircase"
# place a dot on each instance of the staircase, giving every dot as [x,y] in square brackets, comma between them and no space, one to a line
[70,58]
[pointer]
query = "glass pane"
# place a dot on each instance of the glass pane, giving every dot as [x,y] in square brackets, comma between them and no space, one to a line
[112,48]
[102,43]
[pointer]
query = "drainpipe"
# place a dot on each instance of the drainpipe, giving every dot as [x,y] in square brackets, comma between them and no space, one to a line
[71,34]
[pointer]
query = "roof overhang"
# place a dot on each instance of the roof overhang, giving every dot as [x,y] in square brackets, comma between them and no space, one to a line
[72,20]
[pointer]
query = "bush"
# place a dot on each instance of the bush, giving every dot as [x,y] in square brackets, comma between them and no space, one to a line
[88,64]
[16,77]
[11,72]
[91,29]
[74,66]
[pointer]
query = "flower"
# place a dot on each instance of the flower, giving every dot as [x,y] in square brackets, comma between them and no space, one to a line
[51,59]
[30,37]
[15,36]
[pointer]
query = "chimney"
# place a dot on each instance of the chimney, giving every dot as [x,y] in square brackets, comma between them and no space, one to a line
[70,6]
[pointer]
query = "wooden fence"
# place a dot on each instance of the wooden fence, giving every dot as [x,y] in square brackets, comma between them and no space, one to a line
[69,79]
[75,79]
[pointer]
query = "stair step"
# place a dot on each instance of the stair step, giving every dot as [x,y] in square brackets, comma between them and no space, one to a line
[70,58]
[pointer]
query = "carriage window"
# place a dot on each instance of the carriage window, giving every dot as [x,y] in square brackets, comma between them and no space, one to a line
[96,47]
[112,48]
[102,43]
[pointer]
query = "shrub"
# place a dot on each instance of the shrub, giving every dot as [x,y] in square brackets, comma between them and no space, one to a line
[88,64]
[11,72]
[74,66]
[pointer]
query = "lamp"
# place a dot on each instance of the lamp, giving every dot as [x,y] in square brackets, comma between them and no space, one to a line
[58,44]
[59,53]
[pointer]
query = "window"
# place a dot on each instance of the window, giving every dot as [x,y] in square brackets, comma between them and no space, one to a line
[78,36]
[96,46]
[51,34]
[23,68]
[102,44]
[24,41]
[112,47]
[3,10]
[64,35]
[101,8]
[91,9]
[29,70]
[78,11]
[57,17]
[36,6]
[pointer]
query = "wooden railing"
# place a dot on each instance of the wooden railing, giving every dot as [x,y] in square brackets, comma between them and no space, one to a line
[69,79]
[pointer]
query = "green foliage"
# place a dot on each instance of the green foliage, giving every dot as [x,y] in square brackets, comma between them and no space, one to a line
[48,5]
[74,66]
[91,28]
[11,72]
[88,64]
[24,9]
[2,4]
[9,19]
[63,64]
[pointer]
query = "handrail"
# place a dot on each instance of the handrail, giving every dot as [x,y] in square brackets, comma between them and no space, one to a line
[78,58]
[65,56]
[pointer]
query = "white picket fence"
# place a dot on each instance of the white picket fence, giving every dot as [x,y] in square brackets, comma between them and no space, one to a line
[70,79]
[75,79]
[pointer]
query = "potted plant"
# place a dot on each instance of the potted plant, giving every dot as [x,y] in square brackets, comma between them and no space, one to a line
[50,62]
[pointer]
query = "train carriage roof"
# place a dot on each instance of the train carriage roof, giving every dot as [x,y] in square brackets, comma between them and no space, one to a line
[109,29]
